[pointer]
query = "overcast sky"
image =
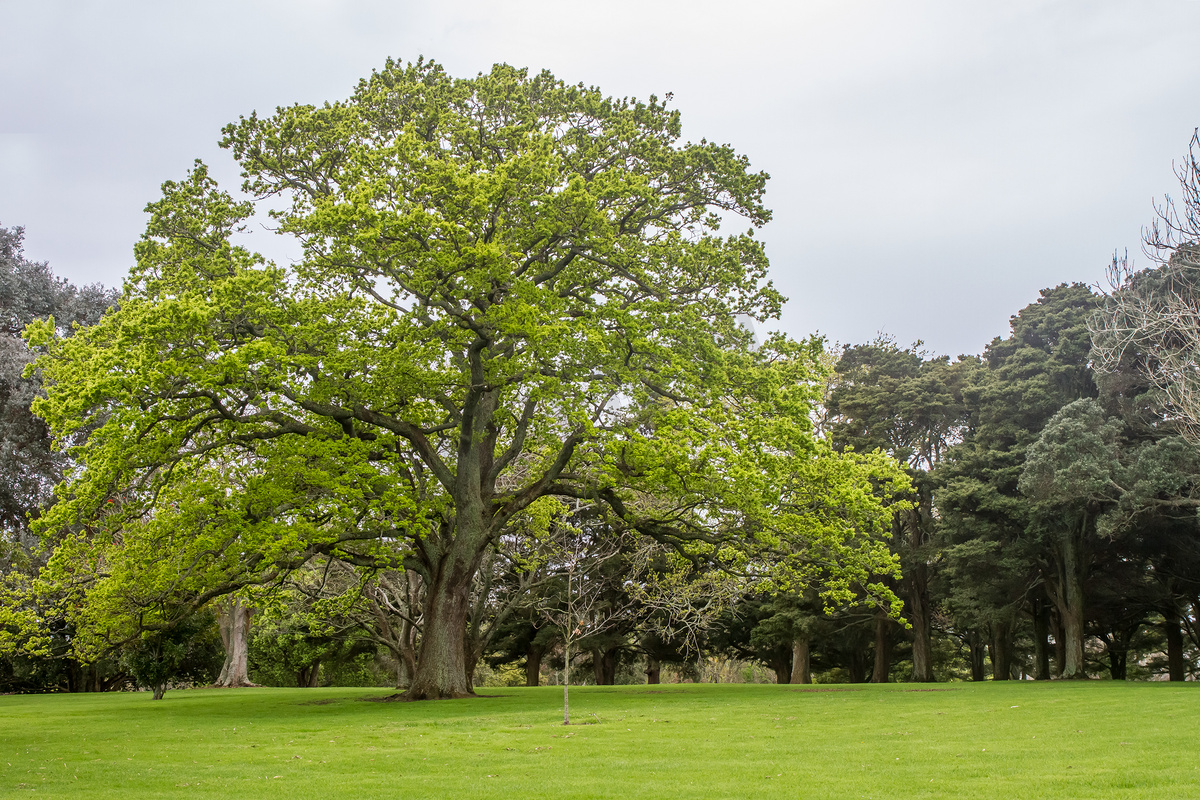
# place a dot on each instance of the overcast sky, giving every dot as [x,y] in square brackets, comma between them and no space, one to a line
[933,164]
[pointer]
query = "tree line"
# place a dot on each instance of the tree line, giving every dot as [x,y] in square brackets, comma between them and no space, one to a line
[504,410]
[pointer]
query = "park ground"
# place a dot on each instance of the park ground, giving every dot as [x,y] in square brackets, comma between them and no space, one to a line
[1010,740]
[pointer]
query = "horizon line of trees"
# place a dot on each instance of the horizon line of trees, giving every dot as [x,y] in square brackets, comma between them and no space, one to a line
[505,406]
[1051,508]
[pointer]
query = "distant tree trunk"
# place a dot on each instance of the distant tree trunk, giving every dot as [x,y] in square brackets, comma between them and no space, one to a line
[653,670]
[801,662]
[1067,593]
[604,665]
[919,616]
[781,663]
[405,667]
[470,661]
[882,671]
[1001,651]
[1118,656]
[1041,640]
[1060,649]
[406,653]
[1175,670]
[309,677]
[159,689]
[234,617]
[75,675]
[413,592]
[856,665]
[978,651]
[87,678]
[533,664]
[399,638]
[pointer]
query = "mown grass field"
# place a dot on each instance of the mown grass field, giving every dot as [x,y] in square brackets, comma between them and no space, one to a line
[1015,740]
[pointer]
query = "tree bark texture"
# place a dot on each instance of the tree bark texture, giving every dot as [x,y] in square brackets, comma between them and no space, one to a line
[801,662]
[235,618]
[653,670]
[441,670]
[1067,593]
[533,664]
[405,667]
[451,557]
[604,665]
[919,616]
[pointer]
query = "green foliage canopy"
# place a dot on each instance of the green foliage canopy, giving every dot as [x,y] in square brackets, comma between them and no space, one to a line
[511,289]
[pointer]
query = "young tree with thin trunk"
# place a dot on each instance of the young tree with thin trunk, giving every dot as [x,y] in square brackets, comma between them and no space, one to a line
[584,607]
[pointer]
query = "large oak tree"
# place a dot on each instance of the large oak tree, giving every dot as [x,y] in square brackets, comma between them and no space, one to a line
[510,290]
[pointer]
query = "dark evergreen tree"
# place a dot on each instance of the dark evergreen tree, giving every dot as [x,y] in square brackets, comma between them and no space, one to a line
[910,405]
[30,467]
[1026,378]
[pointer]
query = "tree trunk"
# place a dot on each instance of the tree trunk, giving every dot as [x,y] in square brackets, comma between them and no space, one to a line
[1067,593]
[533,664]
[1060,649]
[235,617]
[857,667]
[406,655]
[1001,650]
[470,661]
[1175,671]
[781,664]
[84,678]
[567,681]
[919,617]
[442,661]
[406,642]
[801,661]
[309,677]
[653,670]
[1041,640]
[1118,655]
[882,671]
[398,637]
[978,651]
[405,668]
[75,678]
[604,665]
[159,690]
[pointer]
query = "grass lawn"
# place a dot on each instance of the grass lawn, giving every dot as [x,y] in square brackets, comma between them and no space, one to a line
[1002,740]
